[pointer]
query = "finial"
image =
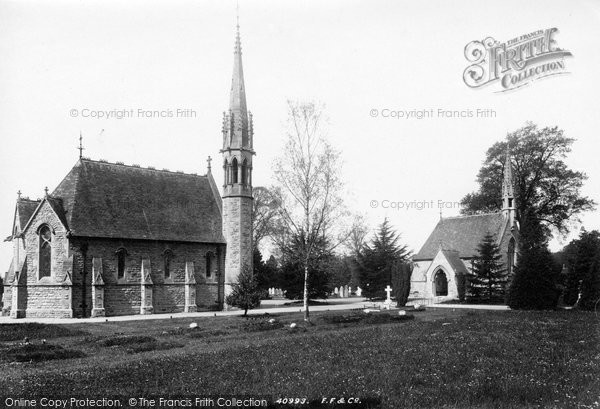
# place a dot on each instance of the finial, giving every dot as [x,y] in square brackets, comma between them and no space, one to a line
[19,194]
[46,191]
[208,160]
[441,217]
[81,148]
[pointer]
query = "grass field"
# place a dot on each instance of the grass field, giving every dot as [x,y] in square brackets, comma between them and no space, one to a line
[441,358]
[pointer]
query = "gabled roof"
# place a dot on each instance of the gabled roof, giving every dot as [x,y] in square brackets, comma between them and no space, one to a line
[463,234]
[23,212]
[456,263]
[106,200]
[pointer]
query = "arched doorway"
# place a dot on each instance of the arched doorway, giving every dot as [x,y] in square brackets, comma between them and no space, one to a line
[440,284]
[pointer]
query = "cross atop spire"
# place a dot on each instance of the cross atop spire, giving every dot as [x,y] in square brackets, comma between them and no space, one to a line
[80,148]
[19,194]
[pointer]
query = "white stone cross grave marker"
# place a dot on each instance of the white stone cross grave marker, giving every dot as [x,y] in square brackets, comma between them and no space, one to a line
[388,302]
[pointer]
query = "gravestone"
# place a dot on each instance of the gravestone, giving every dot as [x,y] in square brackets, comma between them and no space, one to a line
[388,301]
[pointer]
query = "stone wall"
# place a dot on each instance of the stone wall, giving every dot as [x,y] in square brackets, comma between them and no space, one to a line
[68,291]
[237,230]
[122,296]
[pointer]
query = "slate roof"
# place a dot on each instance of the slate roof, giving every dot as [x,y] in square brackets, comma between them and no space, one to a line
[457,264]
[107,200]
[463,234]
[25,208]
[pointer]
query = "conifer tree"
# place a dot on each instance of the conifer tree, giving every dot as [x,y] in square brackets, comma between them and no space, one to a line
[489,278]
[245,293]
[533,286]
[377,259]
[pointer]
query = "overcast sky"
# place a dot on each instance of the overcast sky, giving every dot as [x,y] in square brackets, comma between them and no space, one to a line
[63,58]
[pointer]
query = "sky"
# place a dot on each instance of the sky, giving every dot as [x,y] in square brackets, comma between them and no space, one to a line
[63,63]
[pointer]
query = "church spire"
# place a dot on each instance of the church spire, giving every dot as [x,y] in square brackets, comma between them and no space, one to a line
[508,190]
[237,100]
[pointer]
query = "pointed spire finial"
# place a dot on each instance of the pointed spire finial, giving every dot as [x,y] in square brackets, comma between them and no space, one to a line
[80,148]
[208,160]
[46,191]
[19,194]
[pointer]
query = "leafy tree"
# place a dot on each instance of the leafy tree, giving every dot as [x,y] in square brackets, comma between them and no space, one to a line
[309,200]
[264,214]
[377,259]
[488,279]
[293,273]
[583,265]
[548,192]
[245,293]
[534,283]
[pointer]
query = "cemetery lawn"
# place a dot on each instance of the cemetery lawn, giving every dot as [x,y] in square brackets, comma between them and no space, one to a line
[439,358]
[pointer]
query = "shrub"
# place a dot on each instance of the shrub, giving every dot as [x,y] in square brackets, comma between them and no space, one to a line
[245,293]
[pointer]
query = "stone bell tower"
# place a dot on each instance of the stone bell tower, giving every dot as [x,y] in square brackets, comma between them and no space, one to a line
[508,192]
[237,168]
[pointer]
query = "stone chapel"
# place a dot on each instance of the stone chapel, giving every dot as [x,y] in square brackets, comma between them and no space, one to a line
[452,246]
[114,239]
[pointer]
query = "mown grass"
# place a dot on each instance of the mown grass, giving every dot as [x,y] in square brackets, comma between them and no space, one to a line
[18,332]
[36,353]
[443,359]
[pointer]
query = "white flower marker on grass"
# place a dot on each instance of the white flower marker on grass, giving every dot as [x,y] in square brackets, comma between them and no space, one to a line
[194,325]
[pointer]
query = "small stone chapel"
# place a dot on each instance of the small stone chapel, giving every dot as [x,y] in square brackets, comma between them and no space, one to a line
[452,246]
[113,239]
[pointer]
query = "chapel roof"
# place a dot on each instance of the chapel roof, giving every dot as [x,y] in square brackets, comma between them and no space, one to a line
[462,234]
[108,200]
[25,209]
[456,263]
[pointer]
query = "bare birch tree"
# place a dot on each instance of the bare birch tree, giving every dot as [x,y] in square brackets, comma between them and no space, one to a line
[309,185]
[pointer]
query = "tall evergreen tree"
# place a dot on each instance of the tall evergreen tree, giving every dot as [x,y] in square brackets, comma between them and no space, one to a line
[377,258]
[293,274]
[583,265]
[489,278]
[533,286]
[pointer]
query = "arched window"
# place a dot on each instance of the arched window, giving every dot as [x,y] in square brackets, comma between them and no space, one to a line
[167,258]
[440,284]
[510,259]
[209,264]
[45,253]
[121,255]
[234,171]
[244,172]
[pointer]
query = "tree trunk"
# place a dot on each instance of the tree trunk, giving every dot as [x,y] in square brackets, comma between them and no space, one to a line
[306,314]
